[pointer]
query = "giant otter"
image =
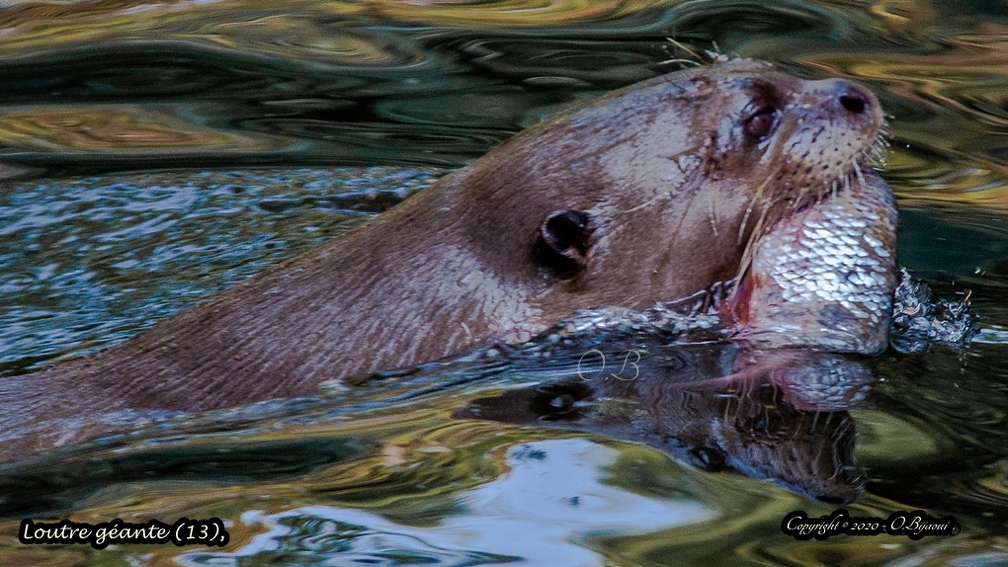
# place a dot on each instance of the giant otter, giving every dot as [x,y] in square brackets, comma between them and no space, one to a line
[648,194]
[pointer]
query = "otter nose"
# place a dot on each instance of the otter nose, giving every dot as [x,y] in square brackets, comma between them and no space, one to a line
[847,99]
[854,99]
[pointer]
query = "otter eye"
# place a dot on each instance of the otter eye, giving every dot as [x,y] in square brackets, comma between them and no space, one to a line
[759,124]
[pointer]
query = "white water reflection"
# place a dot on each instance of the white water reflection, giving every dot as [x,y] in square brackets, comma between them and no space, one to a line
[541,512]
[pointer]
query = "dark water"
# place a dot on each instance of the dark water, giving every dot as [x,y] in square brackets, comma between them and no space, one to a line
[274,127]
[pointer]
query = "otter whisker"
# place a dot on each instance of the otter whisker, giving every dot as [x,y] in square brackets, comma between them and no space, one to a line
[859,173]
[797,201]
[879,149]
[679,61]
[752,202]
[712,216]
[643,205]
[749,252]
[748,211]
[682,46]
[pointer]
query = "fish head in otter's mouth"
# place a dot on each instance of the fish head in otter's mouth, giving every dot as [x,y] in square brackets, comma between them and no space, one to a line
[824,276]
[819,266]
[739,172]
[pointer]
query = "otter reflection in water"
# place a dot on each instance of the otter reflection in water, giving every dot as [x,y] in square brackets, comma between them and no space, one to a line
[775,415]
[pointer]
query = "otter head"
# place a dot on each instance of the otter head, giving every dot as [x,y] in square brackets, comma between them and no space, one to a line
[654,192]
[663,189]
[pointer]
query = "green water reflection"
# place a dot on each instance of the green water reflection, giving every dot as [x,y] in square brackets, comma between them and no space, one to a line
[266,122]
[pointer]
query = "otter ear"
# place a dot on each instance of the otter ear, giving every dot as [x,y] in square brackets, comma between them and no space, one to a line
[566,239]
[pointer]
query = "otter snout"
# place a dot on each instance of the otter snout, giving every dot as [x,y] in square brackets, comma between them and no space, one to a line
[852,101]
